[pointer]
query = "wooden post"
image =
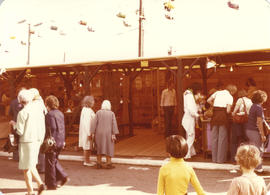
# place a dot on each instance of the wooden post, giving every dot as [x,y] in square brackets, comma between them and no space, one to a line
[179,91]
[130,106]
[152,95]
[158,102]
[204,77]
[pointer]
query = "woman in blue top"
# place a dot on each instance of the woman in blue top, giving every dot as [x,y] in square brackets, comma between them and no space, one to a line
[254,128]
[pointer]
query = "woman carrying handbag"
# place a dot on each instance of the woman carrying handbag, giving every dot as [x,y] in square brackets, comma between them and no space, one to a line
[240,117]
[55,175]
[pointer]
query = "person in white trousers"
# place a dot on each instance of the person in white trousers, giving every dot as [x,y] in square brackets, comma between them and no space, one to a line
[190,116]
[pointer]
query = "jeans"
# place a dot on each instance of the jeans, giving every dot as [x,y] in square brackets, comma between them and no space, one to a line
[219,141]
[54,172]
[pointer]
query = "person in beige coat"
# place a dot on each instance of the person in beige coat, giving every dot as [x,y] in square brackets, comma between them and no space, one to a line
[28,127]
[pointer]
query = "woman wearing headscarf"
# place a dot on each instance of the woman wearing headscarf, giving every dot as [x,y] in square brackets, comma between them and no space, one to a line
[86,118]
[29,126]
[103,129]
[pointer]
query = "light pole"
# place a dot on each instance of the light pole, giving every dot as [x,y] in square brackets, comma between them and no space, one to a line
[28,46]
[141,30]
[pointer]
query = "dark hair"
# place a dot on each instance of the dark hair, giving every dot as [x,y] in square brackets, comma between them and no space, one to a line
[250,82]
[176,146]
[257,97]
[52,102]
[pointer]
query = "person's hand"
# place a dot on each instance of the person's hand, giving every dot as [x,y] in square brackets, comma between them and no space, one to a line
[12,122]
[92,136]
[113,138]
[263,137]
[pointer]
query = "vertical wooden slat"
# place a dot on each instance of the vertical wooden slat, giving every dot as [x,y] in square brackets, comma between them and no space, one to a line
[158,102]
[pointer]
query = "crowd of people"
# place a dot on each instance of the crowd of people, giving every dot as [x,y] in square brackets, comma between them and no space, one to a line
[224,106]
[34,119]
[248,136]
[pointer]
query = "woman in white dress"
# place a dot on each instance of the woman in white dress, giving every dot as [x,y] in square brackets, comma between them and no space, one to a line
[87,115]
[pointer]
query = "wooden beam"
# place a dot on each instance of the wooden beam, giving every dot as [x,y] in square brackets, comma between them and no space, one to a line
[179,91]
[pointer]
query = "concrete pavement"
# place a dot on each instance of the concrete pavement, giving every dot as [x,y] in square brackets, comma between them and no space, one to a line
[123,180]
[152,162]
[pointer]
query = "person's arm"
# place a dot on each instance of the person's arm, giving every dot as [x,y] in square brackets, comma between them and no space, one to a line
[191,105]
[229,108]
[20,125]
[260,127]
[162,98]
[114,127]
[237,107]
[94,123]
[229,104]
[211,99]
[259,122]
[196,184]
[161,183]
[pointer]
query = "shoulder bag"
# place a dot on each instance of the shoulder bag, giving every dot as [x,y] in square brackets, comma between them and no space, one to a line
[49,144]
[241,118]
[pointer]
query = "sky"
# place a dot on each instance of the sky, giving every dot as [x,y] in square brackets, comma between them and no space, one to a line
[198,27]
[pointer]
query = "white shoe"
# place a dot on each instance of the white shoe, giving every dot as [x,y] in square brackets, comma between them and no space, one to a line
[259,170]
[91,164]
[233,171]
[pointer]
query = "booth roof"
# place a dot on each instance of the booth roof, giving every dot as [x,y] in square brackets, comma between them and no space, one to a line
[239,58]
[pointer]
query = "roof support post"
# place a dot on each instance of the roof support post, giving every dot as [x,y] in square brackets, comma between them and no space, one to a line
[204,76]
[179,92]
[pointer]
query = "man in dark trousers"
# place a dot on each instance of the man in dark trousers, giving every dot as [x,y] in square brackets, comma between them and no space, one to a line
[168,103]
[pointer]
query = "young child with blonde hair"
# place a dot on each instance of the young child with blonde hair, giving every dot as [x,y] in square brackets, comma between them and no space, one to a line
[248,157]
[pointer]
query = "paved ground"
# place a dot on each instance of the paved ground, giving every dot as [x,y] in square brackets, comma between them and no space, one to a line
[124,179]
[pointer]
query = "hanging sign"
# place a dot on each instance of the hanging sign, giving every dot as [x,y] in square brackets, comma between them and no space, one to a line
[144,63]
